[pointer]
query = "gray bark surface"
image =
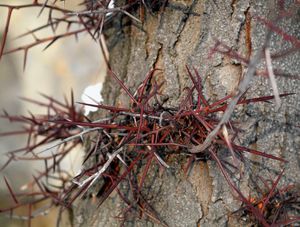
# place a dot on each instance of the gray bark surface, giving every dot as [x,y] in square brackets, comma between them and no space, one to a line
[184,35]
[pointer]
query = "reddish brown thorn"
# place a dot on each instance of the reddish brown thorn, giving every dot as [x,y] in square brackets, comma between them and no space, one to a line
[11,191]
[287,37]
[111,108]
[198,86]
[5,33]
[101,125]
[247,101]
[259,216]
[149,161]
[11,158]
[270,194]
[252,151]
[144,84]
[116,183]
[122,85]
[40,41]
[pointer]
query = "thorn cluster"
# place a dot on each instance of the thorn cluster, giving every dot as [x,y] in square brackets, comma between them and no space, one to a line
[145,132]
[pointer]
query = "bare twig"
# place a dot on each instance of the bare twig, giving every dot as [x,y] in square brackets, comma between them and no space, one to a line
[272,78]
[92,179]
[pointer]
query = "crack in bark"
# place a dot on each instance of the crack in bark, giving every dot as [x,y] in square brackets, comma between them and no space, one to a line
[185,17]
[157,60]
[186,14]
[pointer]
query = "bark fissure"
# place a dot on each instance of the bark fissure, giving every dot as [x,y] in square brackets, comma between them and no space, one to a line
[186,14]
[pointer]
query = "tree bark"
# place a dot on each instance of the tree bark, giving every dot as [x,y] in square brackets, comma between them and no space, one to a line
[183,35]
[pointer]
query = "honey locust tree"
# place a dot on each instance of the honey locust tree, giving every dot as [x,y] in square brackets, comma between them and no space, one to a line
[184,33]
[198,142]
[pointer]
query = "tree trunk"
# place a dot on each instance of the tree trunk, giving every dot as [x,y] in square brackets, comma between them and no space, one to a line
[183,35]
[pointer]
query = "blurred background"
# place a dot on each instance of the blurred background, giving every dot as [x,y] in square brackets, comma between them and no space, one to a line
[67,64]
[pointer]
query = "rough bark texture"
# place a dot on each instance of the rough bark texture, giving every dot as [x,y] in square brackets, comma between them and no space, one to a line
[183,35]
